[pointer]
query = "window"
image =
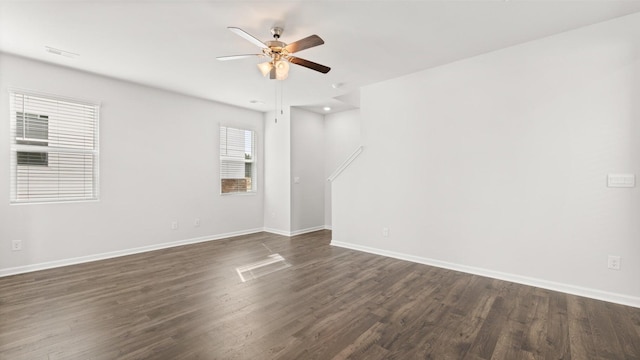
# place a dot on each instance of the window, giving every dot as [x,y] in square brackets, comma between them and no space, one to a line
[54,149]
[237,160]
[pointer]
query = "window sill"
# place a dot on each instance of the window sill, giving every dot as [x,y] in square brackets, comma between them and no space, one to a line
[247,193]
[53,202]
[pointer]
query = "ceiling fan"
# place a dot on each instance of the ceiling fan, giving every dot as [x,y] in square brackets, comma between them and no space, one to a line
[279,53]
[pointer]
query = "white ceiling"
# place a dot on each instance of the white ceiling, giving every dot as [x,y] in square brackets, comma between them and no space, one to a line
[173,45]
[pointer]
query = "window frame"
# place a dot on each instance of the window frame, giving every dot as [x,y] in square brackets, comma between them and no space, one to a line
[254,161]
[16,147]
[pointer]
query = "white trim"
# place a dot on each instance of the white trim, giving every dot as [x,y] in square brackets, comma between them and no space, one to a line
[239,193]
[57,201]
[328,227]
[295,232]
[118,253]
[278,232]
[545,284]
[89,102]
[307,230]
[345,164]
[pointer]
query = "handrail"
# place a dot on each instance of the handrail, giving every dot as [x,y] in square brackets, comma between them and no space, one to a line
[346,163]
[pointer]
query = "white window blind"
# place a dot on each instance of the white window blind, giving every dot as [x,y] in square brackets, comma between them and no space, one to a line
[54,149]
[237,160]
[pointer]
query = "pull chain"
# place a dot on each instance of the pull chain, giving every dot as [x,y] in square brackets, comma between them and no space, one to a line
[275,110]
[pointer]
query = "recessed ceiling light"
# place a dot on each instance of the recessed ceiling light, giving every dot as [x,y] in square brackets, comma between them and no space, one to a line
[55,51]
[337,85]
[256,102]
[326,108]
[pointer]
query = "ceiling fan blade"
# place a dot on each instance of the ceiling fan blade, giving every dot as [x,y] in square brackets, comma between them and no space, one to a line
[309,64]
[252,39]
[302,44]
[235,57]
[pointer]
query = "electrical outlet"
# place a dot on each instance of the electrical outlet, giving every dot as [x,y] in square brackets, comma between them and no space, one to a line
[174,225]
[196,222]
[16,245]
[614,262]
[385,231]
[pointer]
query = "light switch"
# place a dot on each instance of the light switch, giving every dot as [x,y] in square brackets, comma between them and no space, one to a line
[621,180]
[296,180]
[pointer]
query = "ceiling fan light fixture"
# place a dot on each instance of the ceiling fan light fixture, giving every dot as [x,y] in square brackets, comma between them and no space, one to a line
[265,68]
[280,53]
[282,69]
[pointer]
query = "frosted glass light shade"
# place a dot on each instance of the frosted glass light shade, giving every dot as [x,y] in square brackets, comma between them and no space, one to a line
[265,68]
[282,69]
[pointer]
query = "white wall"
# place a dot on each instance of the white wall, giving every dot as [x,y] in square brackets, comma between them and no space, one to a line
[307,166]
[341,139]
[497,164]
[277,195]
[158,163]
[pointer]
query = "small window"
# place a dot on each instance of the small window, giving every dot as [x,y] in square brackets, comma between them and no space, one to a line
[54,149]
[237,160]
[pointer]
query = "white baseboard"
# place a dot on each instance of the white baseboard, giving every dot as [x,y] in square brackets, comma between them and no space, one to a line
[113,254]
[545,284]
[295,232]
[278,232]
[328,227]
[307,230]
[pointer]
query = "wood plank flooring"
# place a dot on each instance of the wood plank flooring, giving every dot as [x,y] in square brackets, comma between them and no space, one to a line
[331,303]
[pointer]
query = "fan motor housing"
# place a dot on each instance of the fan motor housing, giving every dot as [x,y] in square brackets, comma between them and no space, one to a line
[276,46]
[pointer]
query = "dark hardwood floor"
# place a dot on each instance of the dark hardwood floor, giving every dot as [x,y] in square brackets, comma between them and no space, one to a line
[331,303]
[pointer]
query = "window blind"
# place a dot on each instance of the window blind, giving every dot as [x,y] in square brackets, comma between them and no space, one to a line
[54,149]
[237,160]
